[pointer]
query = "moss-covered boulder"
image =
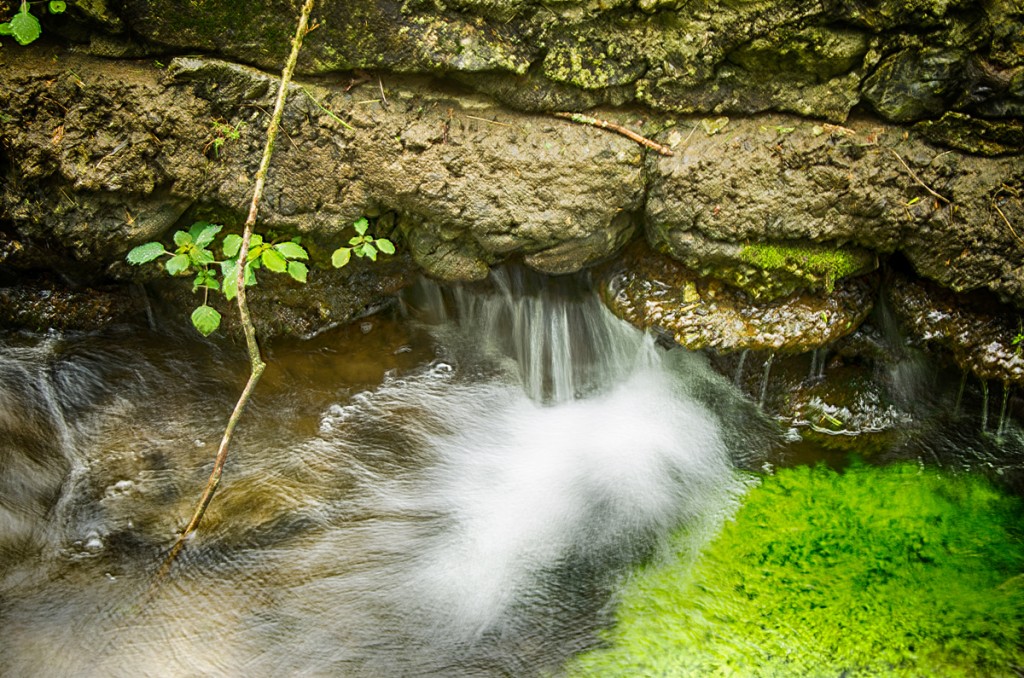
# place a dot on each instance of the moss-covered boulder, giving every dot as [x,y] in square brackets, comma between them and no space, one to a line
[655,292]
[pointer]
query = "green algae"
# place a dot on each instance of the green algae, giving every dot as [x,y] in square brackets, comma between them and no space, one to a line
[896,571]
[816,265]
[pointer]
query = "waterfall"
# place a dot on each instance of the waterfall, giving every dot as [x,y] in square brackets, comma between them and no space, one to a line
[564,342]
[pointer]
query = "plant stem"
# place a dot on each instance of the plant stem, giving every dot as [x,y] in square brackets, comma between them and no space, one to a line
[256,363]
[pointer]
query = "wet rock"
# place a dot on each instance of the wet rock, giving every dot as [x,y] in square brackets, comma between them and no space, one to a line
[915,83]
[768,270]
[653,291]
[779,179]
[973,134]
[42,304]
[980,334]
[850,411]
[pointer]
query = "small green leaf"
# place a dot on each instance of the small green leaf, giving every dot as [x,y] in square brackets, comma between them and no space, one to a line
[297,270]
[203,232]
[229,269]
[232,243]
[255,240]
[385,246]
[274,261]
[145,253]
[206,319]
[182,238]
[291,250]
[177,264]
[250,274]
[200,256]
[57,6]
[5,28]
[356,241]
[361,225]
[24,27]
[341,256]
[370,251]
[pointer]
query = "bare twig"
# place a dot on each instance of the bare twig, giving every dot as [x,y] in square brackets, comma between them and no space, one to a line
[257,365]
[628,133]
[1008,224]
[489,121]
[918,180]
[383,98]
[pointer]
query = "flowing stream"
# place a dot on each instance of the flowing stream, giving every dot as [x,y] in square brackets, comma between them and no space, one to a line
[453,492]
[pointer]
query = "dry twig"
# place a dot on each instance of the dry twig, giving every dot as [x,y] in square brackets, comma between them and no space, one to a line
[918,180]
[619,129]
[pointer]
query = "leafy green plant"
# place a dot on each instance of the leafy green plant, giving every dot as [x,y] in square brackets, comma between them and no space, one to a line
[193,255]
[1018,339]
[24,27]
[894,571]
[361,245]
[222,133]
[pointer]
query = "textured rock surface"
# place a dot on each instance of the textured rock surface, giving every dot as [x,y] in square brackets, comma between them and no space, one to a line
[909,59]
[101,155]
[653,291]
[980,335]
[873,186]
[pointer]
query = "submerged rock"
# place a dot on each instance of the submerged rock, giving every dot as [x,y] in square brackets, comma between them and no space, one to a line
[653,291]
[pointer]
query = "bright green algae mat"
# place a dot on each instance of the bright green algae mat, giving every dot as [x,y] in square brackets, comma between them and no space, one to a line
[872,571]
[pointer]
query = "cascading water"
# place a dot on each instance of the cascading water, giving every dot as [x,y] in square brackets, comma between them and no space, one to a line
[467,516]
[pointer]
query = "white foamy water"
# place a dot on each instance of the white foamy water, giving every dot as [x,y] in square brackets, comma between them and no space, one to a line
[467,517]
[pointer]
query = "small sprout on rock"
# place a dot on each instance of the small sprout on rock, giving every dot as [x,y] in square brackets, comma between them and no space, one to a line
[361,245]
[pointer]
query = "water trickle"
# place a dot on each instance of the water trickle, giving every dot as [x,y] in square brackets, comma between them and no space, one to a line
[1001,429]
[766,377]
[738,379]
[960,392]
[984,405]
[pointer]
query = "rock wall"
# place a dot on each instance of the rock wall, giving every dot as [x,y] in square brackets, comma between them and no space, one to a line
[810,141]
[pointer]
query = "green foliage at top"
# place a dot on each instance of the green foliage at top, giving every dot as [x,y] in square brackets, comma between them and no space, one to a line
[193,255]
[896,571]
[823,262]
[24,27]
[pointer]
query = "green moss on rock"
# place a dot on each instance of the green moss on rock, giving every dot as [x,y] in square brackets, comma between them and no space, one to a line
[816,264]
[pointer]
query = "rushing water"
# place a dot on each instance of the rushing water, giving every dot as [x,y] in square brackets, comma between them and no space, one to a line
[454,493]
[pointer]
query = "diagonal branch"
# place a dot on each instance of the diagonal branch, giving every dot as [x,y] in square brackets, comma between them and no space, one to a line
[256,363]
[618,129]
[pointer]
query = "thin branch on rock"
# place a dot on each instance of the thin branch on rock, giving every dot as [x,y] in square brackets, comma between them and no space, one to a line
[256,363]
[1008,224]
[628,133]
[918,180]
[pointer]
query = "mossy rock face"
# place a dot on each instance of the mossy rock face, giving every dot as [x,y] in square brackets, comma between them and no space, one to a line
[915,83]
[769,270]
[815,52]
[803,57]
[652,291]
[975,135]
[895,571]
